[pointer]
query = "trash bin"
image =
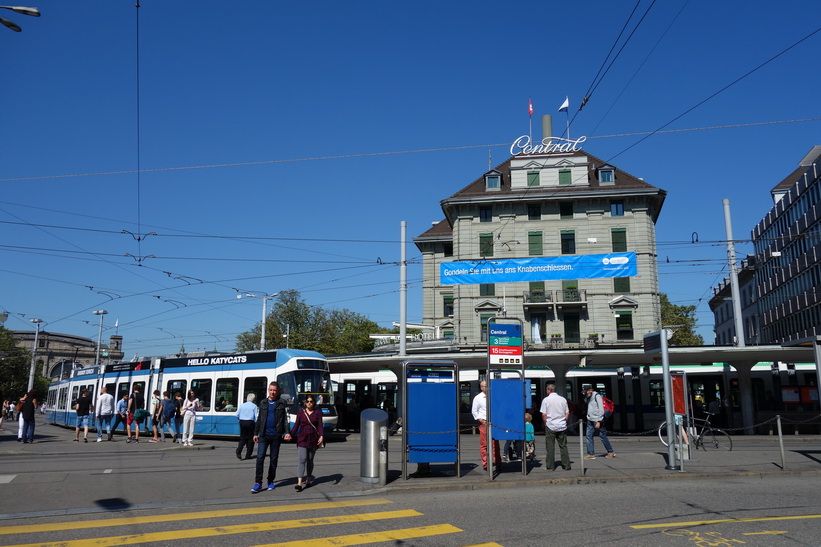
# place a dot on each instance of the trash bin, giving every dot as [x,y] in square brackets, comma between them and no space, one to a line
[373,450]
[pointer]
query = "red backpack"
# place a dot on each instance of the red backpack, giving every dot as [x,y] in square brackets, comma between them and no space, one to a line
[609,407]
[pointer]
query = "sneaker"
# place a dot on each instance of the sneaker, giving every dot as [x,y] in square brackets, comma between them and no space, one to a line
[128,440]
[590,457]
[99,439]
[153,441]
[271,486]
[136,440]
[85,440]
[611,455]
[256,488]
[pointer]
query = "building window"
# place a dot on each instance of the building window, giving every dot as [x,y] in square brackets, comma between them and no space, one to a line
[534,244]
[621,284]
[447,249]
[568,238]
[617,208]
[533,178]
[493,182]
[572,332]
[606,176]
[624,325]
[619,237]
[487,289]
[565,177]
[447,305]
[566,209]
[484,318]
[485,244]
[534,212]
[485,213]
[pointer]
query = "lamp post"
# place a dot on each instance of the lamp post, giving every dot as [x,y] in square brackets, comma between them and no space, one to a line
[33,12]
[101,313]
[34,352]
[265,298]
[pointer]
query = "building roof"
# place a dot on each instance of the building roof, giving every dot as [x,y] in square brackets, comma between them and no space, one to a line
[624,184]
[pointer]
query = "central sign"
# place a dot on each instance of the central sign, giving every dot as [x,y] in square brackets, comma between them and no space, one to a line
[504,345]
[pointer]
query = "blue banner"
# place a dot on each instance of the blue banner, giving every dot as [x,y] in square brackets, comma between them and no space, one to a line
[542,268]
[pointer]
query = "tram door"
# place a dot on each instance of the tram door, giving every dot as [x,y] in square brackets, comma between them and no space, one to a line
[707,394]
[354,396]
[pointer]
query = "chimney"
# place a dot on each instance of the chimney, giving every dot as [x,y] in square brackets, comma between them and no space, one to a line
[547,126]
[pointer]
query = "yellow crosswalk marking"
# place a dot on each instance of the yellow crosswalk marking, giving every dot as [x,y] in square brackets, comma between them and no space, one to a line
[720,521]
[373,537]
[105,523]
[225,530]
[765,533]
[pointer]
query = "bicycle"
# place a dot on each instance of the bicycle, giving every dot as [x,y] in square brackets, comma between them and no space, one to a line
[704,435]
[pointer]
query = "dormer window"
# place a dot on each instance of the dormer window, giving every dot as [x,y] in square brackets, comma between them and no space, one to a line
[607,174]
[493,180]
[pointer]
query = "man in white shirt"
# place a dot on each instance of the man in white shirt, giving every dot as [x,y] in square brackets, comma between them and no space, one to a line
[104,412]
[555,414]
[480,415]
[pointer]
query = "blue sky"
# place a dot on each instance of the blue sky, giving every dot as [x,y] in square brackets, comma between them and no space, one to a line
[281,145]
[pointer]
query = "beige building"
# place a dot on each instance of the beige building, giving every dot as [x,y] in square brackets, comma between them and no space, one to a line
[547,204]
[57,353]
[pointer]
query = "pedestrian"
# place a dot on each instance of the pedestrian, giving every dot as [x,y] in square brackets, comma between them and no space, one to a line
[555,414]
[595,422]
[530,437]
[247,416]
[190,406]
[309,437]
[155,415]
[21,423]
[27,413]
[121,417]
[83,408]
[136,414]
[479,411]
[104,412]
[3,412]
[167,413]
[178,417]
[269,430]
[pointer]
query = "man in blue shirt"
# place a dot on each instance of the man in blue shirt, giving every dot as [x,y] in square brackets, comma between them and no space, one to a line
[121,417]
[270,428]
[247,416]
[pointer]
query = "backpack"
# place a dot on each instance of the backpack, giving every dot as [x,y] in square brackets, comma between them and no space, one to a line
[609,407]
[168,409]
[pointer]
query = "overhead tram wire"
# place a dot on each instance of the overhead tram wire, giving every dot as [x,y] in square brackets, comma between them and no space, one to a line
[726,87]
[597,82]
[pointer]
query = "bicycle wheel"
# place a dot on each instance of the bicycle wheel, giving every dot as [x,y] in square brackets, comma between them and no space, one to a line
[663,433]
[716,439]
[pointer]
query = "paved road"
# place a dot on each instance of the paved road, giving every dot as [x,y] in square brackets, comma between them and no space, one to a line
[59,481]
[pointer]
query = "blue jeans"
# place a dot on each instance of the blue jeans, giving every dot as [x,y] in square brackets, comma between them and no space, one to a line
[591,429]
[28,431]
[267,443]
[103,421]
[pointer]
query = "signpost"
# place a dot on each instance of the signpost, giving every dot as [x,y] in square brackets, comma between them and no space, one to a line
[505,345]
[656,342]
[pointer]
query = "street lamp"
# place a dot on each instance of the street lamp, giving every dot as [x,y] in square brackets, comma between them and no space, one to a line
[34,12]
[34,352]
[101,313]
[265,298]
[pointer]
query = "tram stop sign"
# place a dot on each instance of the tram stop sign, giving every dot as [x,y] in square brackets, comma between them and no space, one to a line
[504,344]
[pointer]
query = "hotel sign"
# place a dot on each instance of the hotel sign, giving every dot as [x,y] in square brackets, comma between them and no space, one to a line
[523,146]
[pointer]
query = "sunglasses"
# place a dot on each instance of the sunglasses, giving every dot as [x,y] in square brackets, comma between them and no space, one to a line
[309,401]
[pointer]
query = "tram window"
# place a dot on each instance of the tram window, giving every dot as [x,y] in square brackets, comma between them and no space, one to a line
[656,394]
[90,389]
[63,397]
[202,391]
[258,385]
[141,387]
[227,394]
[287,386]
[109,388]
[464,397]
[75,393]
[122,389]
[177,386]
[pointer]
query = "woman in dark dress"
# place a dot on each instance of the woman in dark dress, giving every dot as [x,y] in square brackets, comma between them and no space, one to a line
[308,433]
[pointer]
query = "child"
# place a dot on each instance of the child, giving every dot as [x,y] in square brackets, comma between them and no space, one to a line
[530,437]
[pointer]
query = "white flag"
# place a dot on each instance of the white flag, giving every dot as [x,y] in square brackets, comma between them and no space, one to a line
[565,105]
[117,323]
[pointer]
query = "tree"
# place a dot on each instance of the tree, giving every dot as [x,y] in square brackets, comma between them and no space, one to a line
[15,363]
[684,317]
[293,323]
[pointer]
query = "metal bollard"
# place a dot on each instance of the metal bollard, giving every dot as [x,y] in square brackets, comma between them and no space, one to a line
[373,424]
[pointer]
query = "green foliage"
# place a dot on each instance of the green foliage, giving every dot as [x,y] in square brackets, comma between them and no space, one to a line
[15,363]
[293,322]
[685,316]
